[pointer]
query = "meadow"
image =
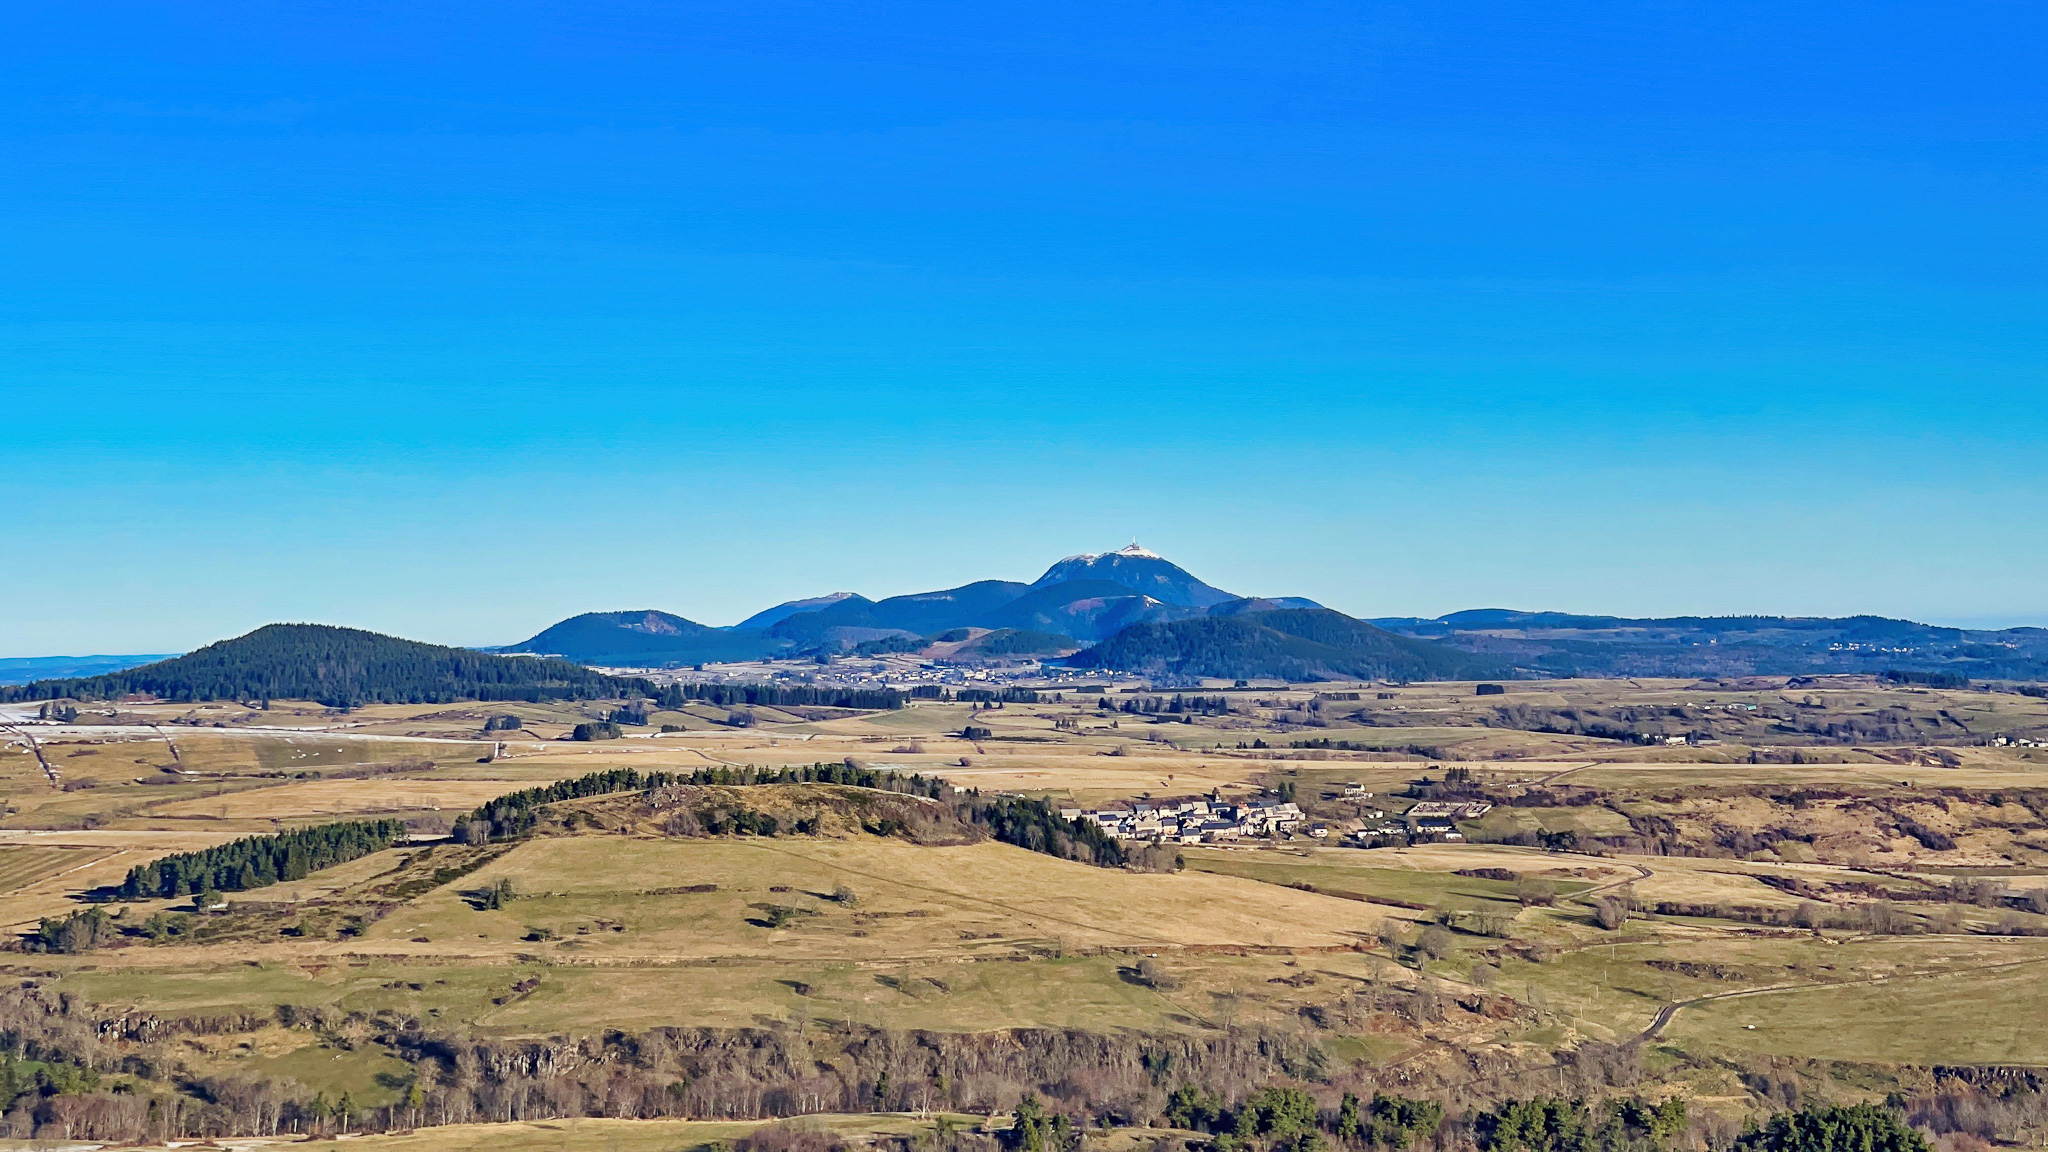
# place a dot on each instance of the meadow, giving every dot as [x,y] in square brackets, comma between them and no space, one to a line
[1779,898]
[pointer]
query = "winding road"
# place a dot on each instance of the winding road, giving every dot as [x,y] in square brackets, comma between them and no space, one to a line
[1670,1011]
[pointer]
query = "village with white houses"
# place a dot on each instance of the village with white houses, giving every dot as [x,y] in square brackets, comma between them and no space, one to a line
[1217,821]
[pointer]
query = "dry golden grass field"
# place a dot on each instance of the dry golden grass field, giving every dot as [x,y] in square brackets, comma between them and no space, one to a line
[1907,867]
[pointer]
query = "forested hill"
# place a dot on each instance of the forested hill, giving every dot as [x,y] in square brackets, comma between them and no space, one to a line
[1567,644]
[1298,644]
[640,638]
[339,667]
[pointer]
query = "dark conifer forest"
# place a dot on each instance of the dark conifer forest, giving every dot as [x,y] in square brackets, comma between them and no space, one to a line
[1293,644]
[339,667]
[780,696]
[260,861]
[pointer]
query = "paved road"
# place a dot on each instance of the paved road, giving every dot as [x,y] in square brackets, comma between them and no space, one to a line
[1643,872]
[1569,771]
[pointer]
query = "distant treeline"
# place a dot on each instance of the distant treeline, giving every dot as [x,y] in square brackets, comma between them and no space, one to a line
[338,667]
[1289,1118]
[512,816]
[1177,706]
[779,696]
[984,695]
[1000,696]
[259,861]
[1429,751]
[1927,679]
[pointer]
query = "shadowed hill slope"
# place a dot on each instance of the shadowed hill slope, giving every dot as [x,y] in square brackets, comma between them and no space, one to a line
[1298,644]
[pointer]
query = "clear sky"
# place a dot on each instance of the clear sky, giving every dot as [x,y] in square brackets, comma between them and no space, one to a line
[451,320]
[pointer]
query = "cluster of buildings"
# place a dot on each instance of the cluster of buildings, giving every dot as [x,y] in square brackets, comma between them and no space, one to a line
[1198,821]
[2017,742]
[1214,822]
[1425,821]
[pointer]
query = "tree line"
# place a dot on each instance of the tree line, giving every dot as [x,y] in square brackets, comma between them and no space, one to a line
[1026,823]
[780,695]
[1001,696]
[514,815]
[1927,679]
[1288,1118]
[1426,751]
[1549,1124]
[259,861]
[1176,706]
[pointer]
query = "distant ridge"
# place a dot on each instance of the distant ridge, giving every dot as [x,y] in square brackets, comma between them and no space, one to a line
[1261,604]
[24,669]
[769,617]
[916,614]
[1576,644]
[637,638]
[339,667]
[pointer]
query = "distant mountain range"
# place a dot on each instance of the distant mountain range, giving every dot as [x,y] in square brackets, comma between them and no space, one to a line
[1084,598]
[1134,609]
[23,669]
[1128,610]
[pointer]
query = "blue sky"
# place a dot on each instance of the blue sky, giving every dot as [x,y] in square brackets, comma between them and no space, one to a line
[452,320]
